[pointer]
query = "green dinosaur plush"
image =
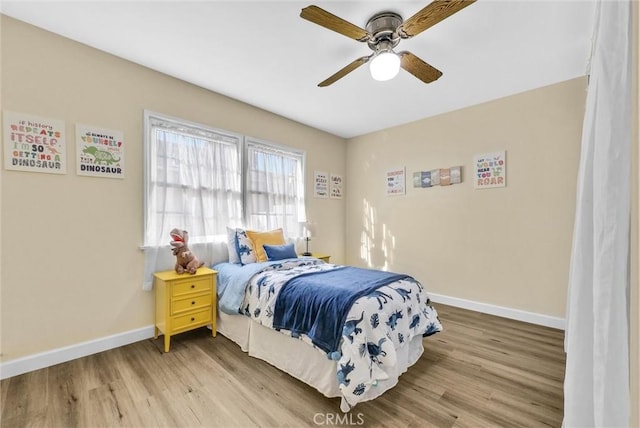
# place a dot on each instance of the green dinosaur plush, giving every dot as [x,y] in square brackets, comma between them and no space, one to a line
[186,261]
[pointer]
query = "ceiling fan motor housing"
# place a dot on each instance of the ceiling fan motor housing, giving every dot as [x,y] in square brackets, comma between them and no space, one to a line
[383,27]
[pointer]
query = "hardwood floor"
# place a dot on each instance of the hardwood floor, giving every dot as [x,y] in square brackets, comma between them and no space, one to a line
[481,371]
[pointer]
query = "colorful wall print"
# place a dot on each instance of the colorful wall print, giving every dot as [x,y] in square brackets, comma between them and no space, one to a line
[320,184]
[435,177]
[34,144]
[417,179]
[99,152]
[422,179]
[438,177]
[445,176]
[336,189]
[396,182]
[455,174]
[425,178]
[490,170]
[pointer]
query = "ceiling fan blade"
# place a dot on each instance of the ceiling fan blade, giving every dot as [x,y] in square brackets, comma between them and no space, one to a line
[328,20]
[344,71]
[431,15]
[418,67]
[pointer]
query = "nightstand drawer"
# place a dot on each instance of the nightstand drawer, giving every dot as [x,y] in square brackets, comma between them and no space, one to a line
[192,285]
[192,319]
[197,302]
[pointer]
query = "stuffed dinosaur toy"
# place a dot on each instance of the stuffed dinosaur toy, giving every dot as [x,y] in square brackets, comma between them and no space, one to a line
[186,261]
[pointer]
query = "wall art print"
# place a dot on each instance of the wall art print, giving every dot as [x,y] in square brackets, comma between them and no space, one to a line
[490,170]
[320,184]
[336,189]
[395,182]
[438,177]
[422,179]
[34,144]
[99,152]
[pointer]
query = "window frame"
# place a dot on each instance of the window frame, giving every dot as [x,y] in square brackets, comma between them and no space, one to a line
[151,118]
[288,151]
[177,124]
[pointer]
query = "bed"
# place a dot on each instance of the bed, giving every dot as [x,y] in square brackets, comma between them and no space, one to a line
[348,332]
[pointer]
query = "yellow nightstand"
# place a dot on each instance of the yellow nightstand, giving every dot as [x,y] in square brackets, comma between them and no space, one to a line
[323,257]
[184,302]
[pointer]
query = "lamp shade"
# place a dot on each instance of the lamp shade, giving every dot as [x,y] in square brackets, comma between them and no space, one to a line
[308,229]
[385,66]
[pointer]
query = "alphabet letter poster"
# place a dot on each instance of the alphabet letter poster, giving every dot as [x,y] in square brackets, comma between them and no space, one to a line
[34,144]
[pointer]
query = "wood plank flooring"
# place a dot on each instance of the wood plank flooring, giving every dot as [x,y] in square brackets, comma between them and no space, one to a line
[481,371]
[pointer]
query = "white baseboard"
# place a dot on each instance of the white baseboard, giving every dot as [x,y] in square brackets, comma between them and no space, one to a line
[56,356]
[501,311]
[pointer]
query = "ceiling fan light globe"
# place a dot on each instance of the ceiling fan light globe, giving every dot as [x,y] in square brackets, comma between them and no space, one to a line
[384,66]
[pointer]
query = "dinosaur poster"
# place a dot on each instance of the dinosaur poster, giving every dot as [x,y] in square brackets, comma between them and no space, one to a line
[34,144]
[99,152]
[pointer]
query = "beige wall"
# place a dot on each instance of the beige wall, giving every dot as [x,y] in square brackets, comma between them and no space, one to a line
[70,267]
[71,264]
[506,246]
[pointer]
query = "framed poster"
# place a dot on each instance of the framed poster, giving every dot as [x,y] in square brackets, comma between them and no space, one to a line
[99,152]
[395,182]
[490,170]
[320,184]
[336,186]
[34,144]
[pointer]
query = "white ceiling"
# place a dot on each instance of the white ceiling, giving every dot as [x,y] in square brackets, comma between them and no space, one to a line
[264,54]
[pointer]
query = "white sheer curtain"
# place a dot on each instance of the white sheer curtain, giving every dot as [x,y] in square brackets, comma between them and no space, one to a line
[596,387]
[193,182]
[274,189]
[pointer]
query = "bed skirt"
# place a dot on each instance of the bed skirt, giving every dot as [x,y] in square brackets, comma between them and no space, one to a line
[303,361]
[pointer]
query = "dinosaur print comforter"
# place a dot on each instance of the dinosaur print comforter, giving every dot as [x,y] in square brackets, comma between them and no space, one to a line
[377,325]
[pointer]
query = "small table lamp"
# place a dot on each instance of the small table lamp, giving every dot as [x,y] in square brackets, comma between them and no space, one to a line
[308,231]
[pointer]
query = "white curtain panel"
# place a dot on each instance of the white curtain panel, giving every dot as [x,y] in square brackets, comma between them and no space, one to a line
[596,387]
[275,189]
[181,178]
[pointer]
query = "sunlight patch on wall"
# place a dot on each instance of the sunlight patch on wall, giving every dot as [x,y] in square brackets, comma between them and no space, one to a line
[376,241]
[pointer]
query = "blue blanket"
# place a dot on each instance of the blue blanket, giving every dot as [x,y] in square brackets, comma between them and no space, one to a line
[232,282]
[317,304]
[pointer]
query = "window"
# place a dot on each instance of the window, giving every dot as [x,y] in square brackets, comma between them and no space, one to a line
[193,180]
[274,195]
[194,177]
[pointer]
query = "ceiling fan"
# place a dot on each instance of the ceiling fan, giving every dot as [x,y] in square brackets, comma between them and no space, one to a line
[383,33]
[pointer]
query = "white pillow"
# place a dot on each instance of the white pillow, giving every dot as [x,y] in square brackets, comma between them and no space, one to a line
[245,247]
[231,244]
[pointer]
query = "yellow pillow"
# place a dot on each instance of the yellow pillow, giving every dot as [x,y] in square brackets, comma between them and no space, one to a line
[273,237]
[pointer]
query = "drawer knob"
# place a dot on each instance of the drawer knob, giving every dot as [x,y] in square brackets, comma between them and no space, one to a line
[193,286]
[193,303]
[193,319]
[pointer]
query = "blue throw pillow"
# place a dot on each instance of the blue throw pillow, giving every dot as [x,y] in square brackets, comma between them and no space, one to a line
[279,252]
